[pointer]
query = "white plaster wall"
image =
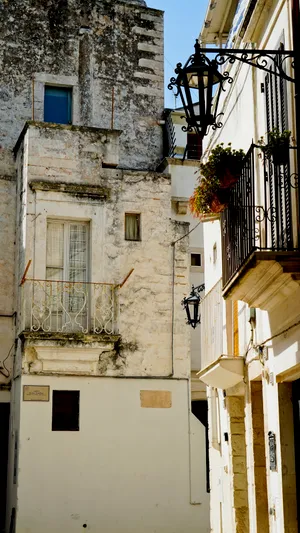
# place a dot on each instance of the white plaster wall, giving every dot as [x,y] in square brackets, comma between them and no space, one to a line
[221,508]
[212,238]
[180,135]
[184,178]
[196,278]
[128,469]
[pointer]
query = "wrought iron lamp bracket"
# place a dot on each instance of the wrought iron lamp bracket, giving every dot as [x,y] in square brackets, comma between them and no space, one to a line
[199,289]
[191,305]
[271,61]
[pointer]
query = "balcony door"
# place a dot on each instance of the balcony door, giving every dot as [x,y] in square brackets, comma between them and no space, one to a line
[276,231]
[67,274]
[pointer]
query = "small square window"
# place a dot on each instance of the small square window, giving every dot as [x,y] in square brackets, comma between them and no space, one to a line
[132,227]
[195,260]
[65,410]
[58,104]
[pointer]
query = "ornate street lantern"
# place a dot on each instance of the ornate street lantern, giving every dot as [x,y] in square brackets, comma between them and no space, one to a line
[199,83]
[196,84]
[191,305]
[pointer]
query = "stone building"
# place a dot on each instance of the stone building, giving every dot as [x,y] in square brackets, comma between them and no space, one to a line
[250,314]
[95,354]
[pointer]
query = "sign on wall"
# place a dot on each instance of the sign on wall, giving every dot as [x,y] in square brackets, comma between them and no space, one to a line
[158,399]
[272,451]
[36,393]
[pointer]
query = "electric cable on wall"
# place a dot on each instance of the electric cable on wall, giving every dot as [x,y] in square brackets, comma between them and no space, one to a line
[3,363]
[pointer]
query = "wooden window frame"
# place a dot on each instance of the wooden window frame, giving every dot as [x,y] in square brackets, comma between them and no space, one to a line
[139,218]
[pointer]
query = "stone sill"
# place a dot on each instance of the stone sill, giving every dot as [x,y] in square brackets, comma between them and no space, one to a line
[75,189]
[174,161]
[85,338]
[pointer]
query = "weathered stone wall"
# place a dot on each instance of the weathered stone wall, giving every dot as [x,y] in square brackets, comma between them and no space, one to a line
[56,158]
[110,52]
[7,249]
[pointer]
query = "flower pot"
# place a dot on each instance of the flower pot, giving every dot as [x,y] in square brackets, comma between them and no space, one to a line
[228,179]
[219,202]
[280,153]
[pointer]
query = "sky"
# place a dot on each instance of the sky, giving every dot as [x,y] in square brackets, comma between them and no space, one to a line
[183,22]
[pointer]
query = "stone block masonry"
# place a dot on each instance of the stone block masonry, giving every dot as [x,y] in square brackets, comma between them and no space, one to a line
[59,169]
[97,48]
[236,406]
[111,54]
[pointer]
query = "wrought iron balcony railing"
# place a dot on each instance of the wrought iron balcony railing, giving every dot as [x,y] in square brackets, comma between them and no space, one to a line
[261,213]
[69,307]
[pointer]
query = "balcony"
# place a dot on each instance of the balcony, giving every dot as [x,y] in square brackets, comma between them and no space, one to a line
[260,248]
[217,369]
[68,307]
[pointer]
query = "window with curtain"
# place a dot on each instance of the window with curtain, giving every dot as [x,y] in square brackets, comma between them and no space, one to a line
[132,227]
[67,260]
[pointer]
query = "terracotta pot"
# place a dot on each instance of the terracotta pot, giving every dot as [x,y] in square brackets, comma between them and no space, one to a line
[228,179]
[218,203]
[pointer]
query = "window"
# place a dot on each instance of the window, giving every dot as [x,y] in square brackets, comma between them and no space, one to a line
[65,410]
[276,99]
[195,260]
[58,104]
[67,260]
[194,146]
[67,251]
[132,227]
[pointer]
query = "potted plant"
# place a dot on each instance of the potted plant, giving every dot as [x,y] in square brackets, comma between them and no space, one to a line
[277,146]
[218,175]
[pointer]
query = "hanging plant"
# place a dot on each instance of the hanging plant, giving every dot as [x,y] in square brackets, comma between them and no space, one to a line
[277,146]
[218,175]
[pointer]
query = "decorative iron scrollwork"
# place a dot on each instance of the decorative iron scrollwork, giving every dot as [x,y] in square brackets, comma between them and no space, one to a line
[258,218]
[273,61]
[294,180]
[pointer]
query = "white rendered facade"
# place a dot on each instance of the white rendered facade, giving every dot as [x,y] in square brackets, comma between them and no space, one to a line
[252,391]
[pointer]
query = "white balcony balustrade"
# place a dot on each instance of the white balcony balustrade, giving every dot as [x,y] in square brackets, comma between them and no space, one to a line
[218,369]
[211,310]
[69,307]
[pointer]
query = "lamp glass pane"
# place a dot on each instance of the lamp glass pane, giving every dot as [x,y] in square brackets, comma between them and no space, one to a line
[193,78]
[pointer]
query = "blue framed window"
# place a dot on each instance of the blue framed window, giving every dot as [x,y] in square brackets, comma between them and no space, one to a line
[58,105]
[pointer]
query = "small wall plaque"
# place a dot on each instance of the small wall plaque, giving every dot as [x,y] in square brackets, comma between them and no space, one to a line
[158,399]
[272,451]
[36,393]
